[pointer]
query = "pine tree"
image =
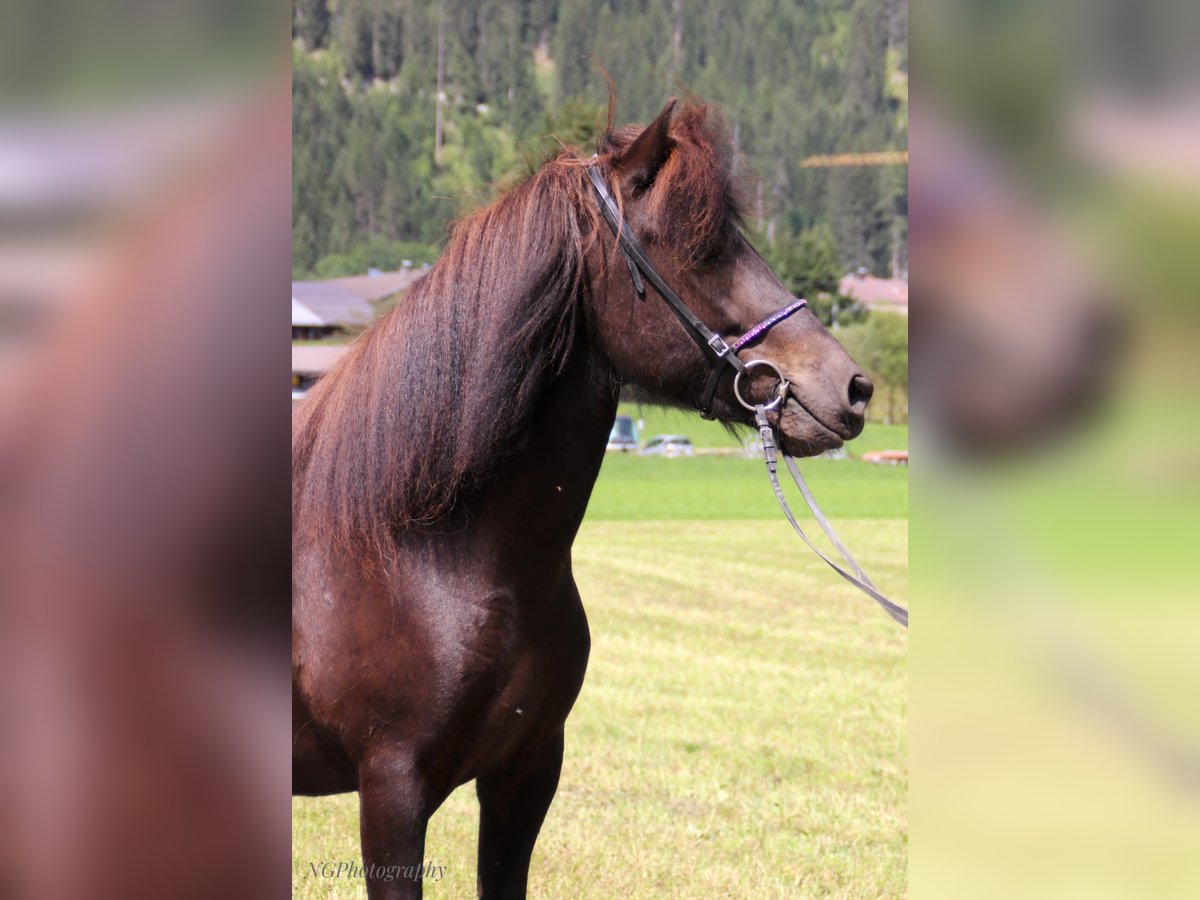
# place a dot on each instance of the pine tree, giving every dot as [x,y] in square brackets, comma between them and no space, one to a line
[571,47]
[859,211]
[310,22]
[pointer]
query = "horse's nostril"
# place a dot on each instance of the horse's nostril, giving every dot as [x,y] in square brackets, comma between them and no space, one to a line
[860,392]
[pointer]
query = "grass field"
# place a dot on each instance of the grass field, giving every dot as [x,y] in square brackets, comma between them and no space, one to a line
[742,728]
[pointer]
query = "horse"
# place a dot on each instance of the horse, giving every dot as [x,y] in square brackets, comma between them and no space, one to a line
[442,467]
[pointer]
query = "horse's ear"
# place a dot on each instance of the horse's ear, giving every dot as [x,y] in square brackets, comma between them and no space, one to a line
[642,159]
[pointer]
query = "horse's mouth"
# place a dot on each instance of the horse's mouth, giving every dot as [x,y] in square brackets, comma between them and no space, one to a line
[802,434]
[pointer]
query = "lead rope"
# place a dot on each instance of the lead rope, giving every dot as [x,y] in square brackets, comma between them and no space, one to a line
[859,579]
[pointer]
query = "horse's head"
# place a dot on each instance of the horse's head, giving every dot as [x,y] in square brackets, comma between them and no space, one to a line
[676,193]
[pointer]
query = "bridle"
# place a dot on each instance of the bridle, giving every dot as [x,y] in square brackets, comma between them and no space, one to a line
[723,356]
[720,355]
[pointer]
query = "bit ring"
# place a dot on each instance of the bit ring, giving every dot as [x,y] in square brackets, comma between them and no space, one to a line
[780,392]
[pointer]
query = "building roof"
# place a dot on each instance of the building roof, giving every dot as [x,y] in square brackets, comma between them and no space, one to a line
[882,294]
[377,285]
[347,301]
[302,315]
[332,303]
[313,359]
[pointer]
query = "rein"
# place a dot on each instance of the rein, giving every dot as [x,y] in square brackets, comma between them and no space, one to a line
[722,356]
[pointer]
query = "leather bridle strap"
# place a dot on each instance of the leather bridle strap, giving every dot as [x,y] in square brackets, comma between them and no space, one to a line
[858,578]
[719,353]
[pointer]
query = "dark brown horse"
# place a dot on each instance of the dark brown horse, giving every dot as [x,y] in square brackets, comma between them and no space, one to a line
[442,469]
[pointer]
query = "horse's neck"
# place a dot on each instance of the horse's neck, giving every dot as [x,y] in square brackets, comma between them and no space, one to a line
[541,493]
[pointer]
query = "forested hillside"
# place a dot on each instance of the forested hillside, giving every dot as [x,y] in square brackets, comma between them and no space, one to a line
[383,159]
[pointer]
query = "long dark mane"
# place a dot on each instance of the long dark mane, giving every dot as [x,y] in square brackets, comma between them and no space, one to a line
[425,403]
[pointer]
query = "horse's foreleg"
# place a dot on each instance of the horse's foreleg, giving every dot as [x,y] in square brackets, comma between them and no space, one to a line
[512,806]
[394,811]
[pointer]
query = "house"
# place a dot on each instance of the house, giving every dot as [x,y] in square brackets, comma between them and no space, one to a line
[876,294]
[309,362]
[307,325]
[336,305]
[320,308]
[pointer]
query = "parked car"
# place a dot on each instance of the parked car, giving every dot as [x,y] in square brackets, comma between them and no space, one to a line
[668,445]
[624,436]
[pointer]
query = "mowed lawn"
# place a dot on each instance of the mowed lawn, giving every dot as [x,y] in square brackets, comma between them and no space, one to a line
[742,728]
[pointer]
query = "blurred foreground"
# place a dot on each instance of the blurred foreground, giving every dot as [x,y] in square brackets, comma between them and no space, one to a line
[144,553]
[1055,219]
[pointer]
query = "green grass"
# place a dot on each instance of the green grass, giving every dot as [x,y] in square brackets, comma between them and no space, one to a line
[729,487]
[664,420]
[742,729]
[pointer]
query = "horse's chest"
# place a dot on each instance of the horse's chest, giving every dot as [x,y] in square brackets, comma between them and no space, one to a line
[527,676]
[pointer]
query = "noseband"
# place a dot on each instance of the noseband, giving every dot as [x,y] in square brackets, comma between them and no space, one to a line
[722,356]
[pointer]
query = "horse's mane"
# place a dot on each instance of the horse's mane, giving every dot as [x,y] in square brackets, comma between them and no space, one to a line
[424,404]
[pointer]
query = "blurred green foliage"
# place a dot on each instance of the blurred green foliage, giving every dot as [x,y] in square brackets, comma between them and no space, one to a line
[376,253]
[880,345]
